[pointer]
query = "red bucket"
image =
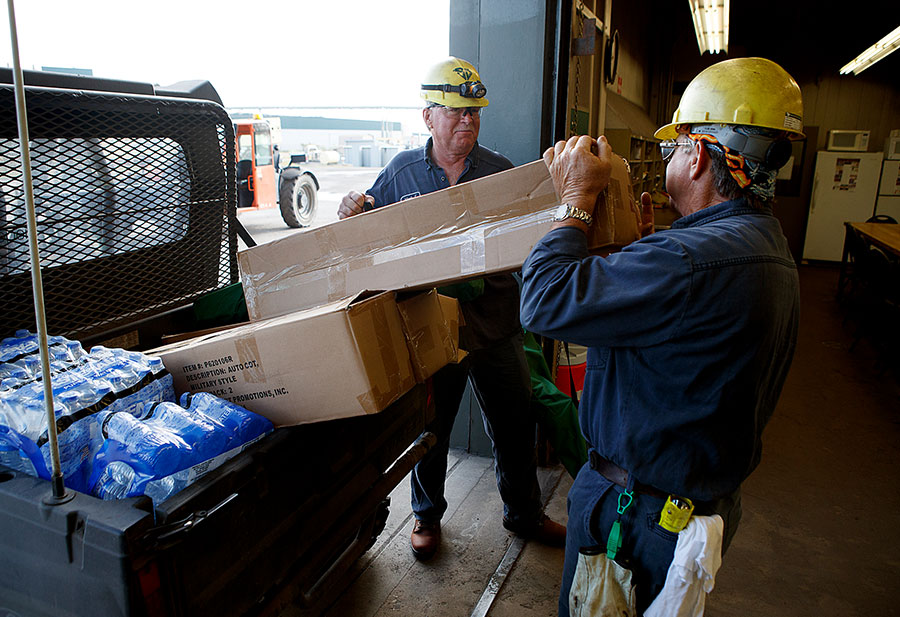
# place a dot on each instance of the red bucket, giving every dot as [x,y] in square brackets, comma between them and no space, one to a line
[572,365]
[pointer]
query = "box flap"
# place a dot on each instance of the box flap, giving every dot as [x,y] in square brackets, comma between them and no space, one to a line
[432,341]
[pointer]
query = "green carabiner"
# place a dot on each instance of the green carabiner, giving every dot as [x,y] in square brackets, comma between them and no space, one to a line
[629,495]
[614,541]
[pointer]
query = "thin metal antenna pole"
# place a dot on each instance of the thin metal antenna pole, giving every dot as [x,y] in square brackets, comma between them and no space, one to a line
[56,478]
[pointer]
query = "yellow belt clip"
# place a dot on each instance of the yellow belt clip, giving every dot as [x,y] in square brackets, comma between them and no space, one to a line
[676,513]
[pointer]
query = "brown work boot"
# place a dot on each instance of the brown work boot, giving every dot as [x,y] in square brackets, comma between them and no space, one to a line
[425,539]
[546,532]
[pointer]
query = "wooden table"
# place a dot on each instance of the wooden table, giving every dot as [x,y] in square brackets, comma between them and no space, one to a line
[883,235]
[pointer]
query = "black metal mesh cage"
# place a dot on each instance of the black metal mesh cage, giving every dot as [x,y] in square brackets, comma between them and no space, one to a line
[133,198]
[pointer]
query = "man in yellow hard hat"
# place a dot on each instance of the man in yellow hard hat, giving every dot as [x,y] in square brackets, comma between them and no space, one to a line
[690,331]
[496,365]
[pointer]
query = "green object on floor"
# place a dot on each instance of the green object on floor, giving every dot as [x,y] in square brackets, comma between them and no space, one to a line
[555,410]
[221,307]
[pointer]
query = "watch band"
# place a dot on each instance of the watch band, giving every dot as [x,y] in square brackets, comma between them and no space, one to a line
[568,211]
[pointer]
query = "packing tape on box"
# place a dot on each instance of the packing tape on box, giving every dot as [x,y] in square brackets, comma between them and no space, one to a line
[333,251]
[469,242]
[471,253]
[247,352]
[462,203]
[336,279]
[327,244]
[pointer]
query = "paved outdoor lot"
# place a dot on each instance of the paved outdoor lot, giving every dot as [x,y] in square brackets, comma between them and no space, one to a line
[334,182]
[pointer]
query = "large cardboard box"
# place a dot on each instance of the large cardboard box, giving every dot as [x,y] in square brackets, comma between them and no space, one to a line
[341,359]
[481,227]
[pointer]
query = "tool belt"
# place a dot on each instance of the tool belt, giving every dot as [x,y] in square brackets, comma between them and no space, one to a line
[617,475]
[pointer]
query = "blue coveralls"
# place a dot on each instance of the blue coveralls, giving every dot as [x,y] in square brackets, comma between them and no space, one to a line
[496,362]
[690,333]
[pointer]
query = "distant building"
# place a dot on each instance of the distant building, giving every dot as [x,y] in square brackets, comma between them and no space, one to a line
[68,70]
[370,139]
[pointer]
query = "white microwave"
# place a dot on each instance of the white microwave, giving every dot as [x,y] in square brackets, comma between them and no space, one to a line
[892,147]
[848,141]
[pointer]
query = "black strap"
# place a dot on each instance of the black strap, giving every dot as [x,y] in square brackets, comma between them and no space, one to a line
[574,392]
[242,232]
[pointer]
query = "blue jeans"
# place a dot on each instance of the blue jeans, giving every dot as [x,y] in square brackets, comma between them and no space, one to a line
[647,548]
[502,385]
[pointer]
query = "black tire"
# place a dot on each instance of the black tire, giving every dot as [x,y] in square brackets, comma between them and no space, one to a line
[298,200]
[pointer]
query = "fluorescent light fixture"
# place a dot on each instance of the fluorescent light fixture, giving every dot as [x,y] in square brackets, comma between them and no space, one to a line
[711,24]
[873,54]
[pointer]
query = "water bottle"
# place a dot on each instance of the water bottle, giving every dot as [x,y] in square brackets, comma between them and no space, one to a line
[207,438]
[76,351]
[115,482]
[31,364]
[161,489]
[76,437]
[162,378]
[151,444]
[25,343]
[27,415]
[110,368]
[138,364]
[16,346]
[13,375]
[243,424]
[10,455]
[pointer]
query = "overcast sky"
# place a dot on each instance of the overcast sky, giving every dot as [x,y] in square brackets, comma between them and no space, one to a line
[254,52]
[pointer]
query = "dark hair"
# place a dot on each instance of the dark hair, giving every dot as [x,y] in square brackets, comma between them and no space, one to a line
[725,183]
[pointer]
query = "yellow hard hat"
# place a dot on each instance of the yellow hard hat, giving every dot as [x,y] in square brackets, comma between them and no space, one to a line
[454,83]
[745,91]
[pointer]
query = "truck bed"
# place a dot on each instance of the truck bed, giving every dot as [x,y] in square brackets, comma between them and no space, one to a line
[135,199]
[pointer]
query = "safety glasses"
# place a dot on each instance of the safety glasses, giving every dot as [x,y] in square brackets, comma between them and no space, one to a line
[668,147]
[459,112]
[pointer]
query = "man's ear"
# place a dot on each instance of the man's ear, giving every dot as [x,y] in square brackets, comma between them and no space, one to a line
[426,116]
[700,160]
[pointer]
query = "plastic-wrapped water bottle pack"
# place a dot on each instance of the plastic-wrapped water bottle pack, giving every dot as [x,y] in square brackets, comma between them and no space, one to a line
[119,429]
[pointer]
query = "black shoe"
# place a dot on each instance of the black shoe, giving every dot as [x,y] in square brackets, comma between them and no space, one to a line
[546,531]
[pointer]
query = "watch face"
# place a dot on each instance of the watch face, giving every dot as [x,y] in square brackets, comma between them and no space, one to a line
[562,212]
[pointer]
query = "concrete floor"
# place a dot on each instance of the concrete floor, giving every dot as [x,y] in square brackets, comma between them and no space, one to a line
[821,530]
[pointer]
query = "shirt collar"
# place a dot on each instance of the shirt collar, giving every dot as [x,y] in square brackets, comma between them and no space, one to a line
[472,158]
[720,210]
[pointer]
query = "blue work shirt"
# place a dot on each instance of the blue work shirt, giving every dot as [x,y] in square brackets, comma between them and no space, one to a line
[494,315]
[690,331]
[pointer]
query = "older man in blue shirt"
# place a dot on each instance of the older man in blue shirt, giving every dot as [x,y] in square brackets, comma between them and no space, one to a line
[492,334]
[690,330]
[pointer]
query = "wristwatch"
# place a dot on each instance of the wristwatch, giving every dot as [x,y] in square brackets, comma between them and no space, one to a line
[565,211]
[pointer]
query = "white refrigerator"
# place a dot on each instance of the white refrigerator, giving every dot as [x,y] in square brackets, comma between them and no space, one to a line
[889,189]
[845,187]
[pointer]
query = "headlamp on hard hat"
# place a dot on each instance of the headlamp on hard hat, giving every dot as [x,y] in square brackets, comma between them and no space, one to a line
[468,89]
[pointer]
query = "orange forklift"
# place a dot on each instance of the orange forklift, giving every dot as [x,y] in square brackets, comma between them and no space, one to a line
[263,183]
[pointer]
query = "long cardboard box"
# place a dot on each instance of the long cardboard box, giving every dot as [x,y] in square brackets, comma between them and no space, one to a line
[481,227]
[346,358]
